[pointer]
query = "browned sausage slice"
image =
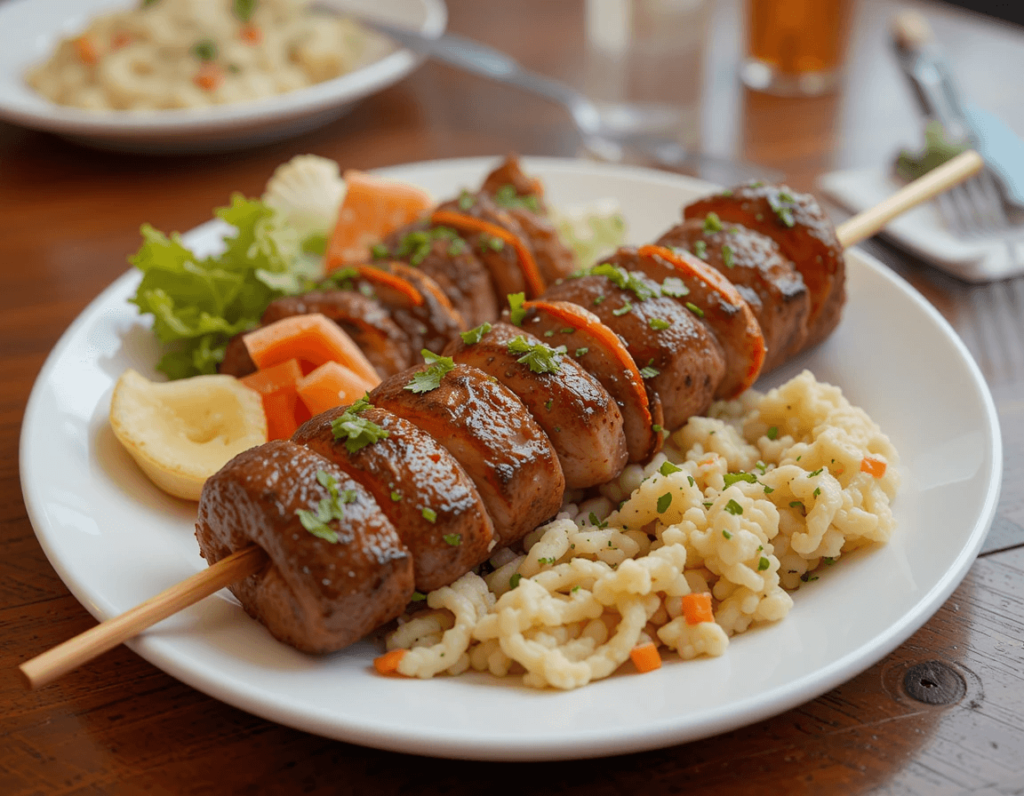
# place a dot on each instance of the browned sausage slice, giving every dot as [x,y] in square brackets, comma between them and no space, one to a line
[492,435]
[714,299]
[677,355]
[805,235]
[576,412]
[602,354]
[767,281]
[417,483]
[319,593]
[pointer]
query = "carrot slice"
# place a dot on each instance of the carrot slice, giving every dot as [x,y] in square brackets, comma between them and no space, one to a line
[873,467]
[534,281]
[372,208]
[209,77]
[313,338]
[278,387]
[388,662]
[86,50]
[331,385]
[380,278]
[697,608]
[742,325]
[645,657]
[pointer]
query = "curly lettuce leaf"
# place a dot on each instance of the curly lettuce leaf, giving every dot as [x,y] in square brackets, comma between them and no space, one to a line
[198,304]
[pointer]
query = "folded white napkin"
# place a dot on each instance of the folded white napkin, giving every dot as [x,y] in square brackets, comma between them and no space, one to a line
[923,232]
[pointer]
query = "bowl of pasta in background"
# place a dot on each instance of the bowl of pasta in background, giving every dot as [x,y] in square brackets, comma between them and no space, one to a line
[31,30]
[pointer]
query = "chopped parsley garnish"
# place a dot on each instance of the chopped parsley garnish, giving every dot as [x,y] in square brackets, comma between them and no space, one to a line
[700,248]
[817,491]
[430,379]
[205,50]
[549,333]
[694,309]
[708,504]
[772,432]
[596,522]
[466,200]
[712,223]
[726,534]
[506,196]
[492,243]
[358,432]
[599,299]
[763,564]
[667,468]
[732,478]
[659,324]
[690,479]
[329,508]
[733,507]
[633,281]
[807,577]
[727,256]
[817,472]
[567,330]
[516,313]
[782,203]
[664,502]
[379,251]
[454,539]
[475,334]
[539,357]
[430,516]
[581,351]
[546,560]
[244,9]
[796,504]
[627,307]
[648,372]
[396,495]
[514,580]
[675,287]
[415,246]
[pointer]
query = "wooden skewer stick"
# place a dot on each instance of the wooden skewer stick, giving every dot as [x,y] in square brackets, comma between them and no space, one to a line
[105,636]
[940,179]
[63,658]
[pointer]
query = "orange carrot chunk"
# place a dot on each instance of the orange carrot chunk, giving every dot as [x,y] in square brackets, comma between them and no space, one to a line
[873,467]
[331,385]
[534,281]
[372,208]
[312,338]
[697,608]
[277,386]
[388,662]
[250,34]
[645,657]
[208,77]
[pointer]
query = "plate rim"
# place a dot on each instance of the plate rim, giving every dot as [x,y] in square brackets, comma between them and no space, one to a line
[519,749]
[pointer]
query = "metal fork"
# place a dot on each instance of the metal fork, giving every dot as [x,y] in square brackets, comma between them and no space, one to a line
[975,208]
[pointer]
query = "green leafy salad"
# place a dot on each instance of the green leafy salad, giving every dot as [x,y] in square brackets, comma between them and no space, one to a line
[275,248]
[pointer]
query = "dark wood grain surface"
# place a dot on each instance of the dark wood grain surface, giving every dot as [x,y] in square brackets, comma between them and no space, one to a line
[944,713]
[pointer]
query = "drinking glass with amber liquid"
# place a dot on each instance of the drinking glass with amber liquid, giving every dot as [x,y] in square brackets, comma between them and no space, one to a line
[795,47]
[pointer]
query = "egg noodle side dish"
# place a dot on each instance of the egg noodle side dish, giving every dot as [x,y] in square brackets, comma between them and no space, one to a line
[741,506]
[167,54]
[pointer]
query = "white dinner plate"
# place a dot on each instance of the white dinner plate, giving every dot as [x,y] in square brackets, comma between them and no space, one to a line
[116,540]
[31,29]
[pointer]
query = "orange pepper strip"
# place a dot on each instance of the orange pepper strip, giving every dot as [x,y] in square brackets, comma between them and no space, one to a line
[388,662]
[645,657]
[393,281]
[872,467]
[86,50]
[697,608]
[534,280]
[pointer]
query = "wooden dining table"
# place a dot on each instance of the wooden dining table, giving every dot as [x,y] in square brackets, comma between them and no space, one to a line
[943,713]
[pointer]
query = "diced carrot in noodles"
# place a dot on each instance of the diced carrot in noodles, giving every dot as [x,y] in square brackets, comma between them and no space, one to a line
[389,661]
[873,467]
[372,208]
[312,338]
[697,608]
[645,657]
[331,385]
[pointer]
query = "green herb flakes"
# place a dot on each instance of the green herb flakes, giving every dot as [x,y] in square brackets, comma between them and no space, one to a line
[539,357]
[514,580]
[205,50]
[429,515]
[328,509]
[659,324]
[763,564]
[453,539]
[712,223]
[732,478]
[727,256]
[700,248]
[430,379]
[358,432]
[675,287]
[694,309]
[772,432]
[475,335]
[664,502]
[667,468]
[733,507]
[580,352]
[515,306]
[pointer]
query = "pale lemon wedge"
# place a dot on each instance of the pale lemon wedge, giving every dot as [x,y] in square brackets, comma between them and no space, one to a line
[181,432]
